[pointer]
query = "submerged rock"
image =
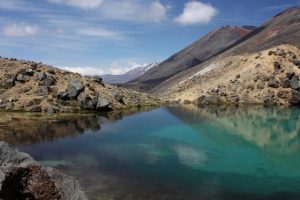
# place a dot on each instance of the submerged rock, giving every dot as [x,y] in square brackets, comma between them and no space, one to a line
[23,178]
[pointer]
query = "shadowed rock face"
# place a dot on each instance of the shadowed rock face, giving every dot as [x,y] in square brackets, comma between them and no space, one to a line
[23,178]
[192,55]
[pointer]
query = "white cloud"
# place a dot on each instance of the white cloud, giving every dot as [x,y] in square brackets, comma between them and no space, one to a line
[196,12]
[84,4]
[101,33]
[125,10]
[20,30]
[115,69]
[134,10]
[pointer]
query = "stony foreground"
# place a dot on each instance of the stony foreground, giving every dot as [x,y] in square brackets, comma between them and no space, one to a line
[23,178]
[35,87]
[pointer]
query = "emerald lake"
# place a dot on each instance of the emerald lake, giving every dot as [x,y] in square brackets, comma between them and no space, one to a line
[169,153]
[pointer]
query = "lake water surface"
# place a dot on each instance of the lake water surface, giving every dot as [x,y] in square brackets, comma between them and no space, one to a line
[169,153]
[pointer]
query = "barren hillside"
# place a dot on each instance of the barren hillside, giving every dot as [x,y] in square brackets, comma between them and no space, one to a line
[34,87]
[266,77]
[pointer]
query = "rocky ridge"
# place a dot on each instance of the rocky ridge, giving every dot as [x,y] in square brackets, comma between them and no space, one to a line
[35,87]
[193,55]
[267,77]
[23,178]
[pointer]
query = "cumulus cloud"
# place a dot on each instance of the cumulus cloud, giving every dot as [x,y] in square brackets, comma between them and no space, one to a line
[134,10]
[196,12]
[84,4]
[115,69]
[20,30]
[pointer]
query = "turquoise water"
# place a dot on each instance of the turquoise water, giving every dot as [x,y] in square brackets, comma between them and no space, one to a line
[175,153]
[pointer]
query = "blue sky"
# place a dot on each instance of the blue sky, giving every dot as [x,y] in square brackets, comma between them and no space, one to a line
[112,36]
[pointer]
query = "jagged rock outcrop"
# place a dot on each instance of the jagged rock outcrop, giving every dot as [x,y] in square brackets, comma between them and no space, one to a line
[23,178]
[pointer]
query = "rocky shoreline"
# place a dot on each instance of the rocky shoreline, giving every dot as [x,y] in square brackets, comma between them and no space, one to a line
[35,87]
[23,178]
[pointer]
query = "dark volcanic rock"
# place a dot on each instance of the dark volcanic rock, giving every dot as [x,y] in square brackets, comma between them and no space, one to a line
[75,88]
[290,75]
[63,95]
[285,82]
[295,82]
[273,83]
[277,65]
[295,99]
[296,62]
[29,72]
[23,178]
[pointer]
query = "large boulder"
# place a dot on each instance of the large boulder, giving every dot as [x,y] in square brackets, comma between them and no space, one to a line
[29,72]
[87,101]
[42,76]
[8,83]
[295,99]
[296,62]
[23,178]
[75,87]
[102,104]
[295,82]
[273,83]
[22,78]
[118,96]
[63,95]
[285,82]
[49,80]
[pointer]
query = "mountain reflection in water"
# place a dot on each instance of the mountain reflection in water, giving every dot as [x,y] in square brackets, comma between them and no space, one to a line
[170,153]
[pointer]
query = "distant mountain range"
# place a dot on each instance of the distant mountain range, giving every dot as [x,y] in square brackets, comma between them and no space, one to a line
[128,76]
[283,28]
[193,55]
